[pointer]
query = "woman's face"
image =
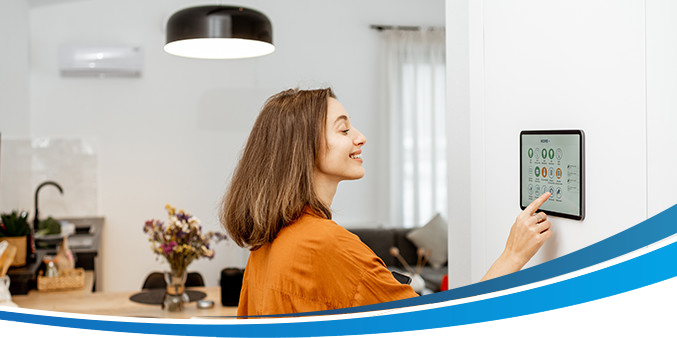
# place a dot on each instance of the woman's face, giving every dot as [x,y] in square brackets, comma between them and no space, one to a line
[340,157]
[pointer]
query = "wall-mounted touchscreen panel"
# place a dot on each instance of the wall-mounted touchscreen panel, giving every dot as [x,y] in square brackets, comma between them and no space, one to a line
[554,161]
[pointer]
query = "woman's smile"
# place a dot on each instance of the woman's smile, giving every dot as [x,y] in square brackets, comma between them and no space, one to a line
[341,138]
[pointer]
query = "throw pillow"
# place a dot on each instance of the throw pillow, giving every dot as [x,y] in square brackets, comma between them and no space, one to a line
[432,236]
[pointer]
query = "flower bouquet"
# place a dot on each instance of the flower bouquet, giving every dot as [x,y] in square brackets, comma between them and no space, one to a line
[180,242]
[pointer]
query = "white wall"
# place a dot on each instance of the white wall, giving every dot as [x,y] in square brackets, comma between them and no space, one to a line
[14,92]
[174,135]
[661,75]
[458,102]
[563,65]
[14,104]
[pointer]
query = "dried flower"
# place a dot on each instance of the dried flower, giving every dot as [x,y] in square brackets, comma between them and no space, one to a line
[182,240]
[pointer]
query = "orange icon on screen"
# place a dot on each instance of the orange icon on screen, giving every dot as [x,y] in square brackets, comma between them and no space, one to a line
[544,172]
[558,172]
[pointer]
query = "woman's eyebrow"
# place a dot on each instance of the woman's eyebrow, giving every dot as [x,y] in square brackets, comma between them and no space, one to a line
[342,117]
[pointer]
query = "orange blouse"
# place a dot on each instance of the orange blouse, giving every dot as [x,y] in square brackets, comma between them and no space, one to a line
[312,265]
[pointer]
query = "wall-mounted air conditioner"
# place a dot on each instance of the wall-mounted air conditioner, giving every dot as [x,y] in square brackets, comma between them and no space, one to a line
[100,60]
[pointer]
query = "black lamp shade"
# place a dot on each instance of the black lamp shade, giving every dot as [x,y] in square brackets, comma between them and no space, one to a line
[219,32]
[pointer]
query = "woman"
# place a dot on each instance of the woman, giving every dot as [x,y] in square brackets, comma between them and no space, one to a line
[301,146]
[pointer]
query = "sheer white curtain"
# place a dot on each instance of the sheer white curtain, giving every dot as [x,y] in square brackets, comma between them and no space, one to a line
[415,62]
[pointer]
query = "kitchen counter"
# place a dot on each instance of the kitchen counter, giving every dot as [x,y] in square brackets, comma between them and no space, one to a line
[84,244]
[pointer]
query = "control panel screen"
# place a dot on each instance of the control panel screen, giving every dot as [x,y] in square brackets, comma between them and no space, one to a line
[553,160]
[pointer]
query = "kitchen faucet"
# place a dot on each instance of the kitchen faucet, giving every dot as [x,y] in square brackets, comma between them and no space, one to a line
[36,220]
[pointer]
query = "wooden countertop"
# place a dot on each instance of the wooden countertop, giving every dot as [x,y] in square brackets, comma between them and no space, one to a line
[117,304]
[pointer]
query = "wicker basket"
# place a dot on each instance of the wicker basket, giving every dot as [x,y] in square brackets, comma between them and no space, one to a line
[67,280]
[20,244]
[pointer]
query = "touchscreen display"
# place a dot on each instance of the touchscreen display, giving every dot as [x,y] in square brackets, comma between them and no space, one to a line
[553,161]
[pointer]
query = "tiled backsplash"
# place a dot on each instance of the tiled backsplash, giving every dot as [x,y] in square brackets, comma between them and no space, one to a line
[72,163]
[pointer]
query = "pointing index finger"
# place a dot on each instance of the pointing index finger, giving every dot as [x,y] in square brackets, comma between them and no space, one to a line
[537,203]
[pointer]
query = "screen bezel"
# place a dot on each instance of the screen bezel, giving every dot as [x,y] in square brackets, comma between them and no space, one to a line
[581,138]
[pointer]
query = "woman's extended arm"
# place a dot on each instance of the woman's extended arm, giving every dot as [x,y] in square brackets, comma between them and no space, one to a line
[527,235]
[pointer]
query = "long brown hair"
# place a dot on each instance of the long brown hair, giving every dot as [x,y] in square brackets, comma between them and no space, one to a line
[273,181]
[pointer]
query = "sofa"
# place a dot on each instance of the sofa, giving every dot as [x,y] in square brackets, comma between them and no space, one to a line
[381,240]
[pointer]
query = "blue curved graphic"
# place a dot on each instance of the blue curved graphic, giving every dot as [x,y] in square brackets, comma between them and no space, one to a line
[638,272]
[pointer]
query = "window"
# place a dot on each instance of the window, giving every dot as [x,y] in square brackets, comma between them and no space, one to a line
[416,96]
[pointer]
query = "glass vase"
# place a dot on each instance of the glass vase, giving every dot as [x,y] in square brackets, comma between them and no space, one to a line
[175,296]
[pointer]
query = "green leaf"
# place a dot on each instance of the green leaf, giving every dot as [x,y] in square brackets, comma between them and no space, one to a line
[14,224]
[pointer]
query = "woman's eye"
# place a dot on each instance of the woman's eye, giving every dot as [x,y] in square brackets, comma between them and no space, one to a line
[345,131]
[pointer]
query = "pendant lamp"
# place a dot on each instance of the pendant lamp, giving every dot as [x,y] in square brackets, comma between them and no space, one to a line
[219,32]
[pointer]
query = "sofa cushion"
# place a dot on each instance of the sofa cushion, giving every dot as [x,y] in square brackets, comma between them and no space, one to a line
[432,236]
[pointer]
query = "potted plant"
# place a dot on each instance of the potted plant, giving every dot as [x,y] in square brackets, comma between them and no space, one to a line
[15,229]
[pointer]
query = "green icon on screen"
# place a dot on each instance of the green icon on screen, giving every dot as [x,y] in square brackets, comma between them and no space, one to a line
[544,153]
[531,153]
[537,171]
[551,153]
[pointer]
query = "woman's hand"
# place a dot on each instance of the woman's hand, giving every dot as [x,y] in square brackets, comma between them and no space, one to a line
[527,235]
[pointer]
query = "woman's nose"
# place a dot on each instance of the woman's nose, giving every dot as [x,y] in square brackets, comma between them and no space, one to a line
[359,139]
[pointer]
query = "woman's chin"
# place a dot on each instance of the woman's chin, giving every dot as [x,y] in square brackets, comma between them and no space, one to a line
[359,175]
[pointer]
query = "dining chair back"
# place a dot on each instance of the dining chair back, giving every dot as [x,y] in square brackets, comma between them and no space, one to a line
[156,280]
